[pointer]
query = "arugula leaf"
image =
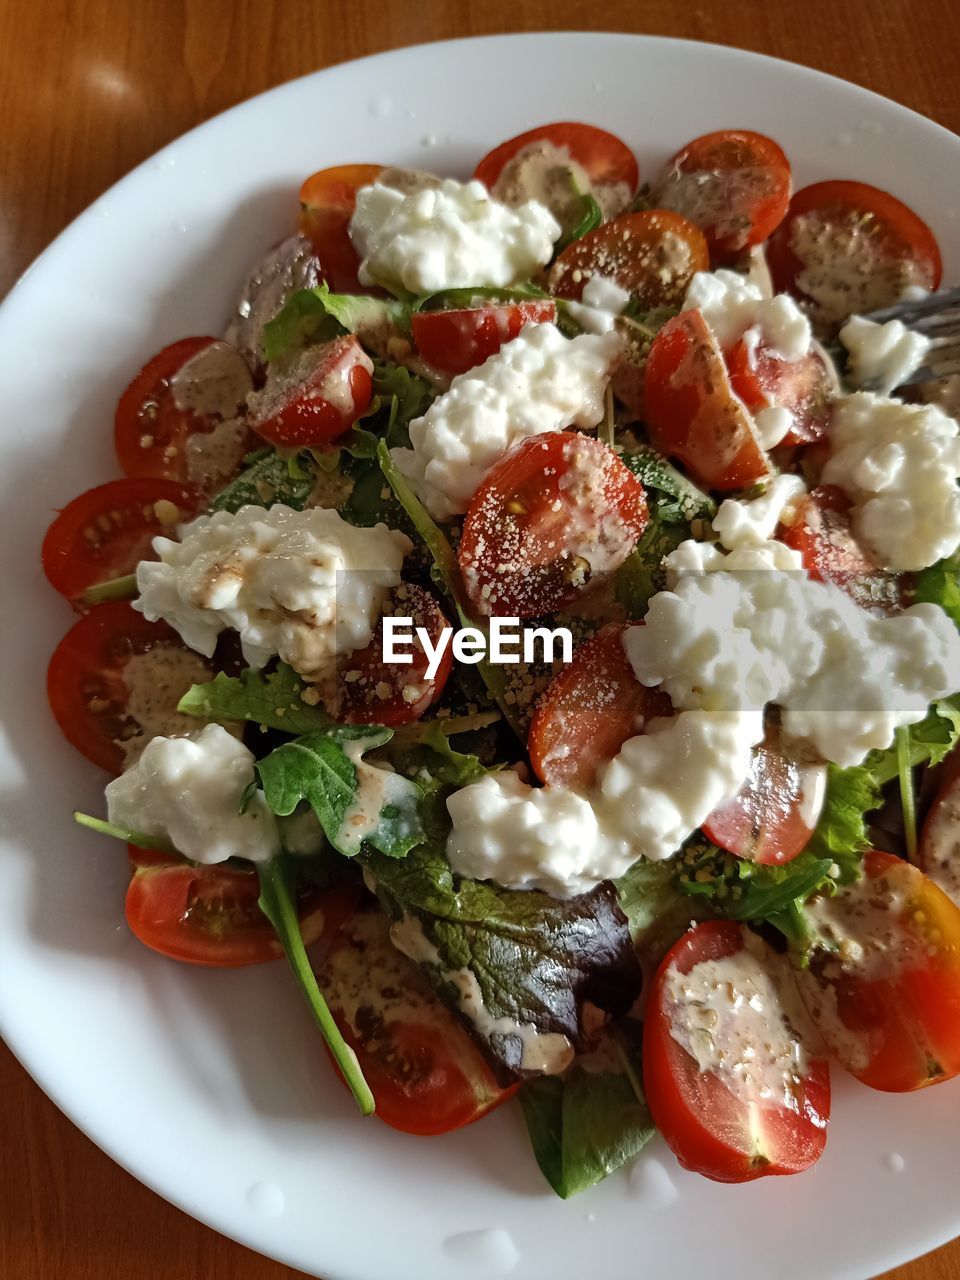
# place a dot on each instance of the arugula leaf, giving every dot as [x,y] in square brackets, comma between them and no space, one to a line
[268,480]
[430,756]
[940,584]
[278,903]
[126,834]
[677,500]
[317,315]
[584,215]
[274,700]
[466,298]
[355,802]
[641,575]
[585,1125]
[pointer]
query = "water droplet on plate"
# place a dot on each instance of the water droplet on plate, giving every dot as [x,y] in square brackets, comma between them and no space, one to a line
[895,1162]
[429,140]
[380,107]
[591,1217]
[491,1249]
[651,1181]
[598,86]
[266,1200]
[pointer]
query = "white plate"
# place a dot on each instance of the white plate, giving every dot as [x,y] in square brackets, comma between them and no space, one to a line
[212,1086]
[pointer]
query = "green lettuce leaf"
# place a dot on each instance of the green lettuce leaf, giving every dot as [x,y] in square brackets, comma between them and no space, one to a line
[841,831]
[940,584]
[641,575]
[430,758]
[268,479]
[274,700]
[928,741]
[317,315]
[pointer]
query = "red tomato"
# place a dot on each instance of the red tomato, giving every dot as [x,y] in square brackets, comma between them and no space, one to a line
[939,852]
[187,389]
[692,412]
[316,397]
[423,1069]
[766,1118]
[803,386]
[734,184]
[589,711]
[884,986]
[845,247]
[372,691]
[209,915]
[823,535]
[460,340]
[557,512]
[771,819]
[85,683]
[653,255]
[105,532]
[606,160]
[327,201]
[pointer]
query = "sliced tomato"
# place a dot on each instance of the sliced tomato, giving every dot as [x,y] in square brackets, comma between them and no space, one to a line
[884,985]
[939,852]
[210,915]
[187,389]
[589,711]
[373,691]
[426,1074]
[558,512]
[846,247]
[108,530]
[823,534]
[803,386]
[653,255]
[764,1108]
[606,160]
[692,411]
[327,201]
[85,682]
[771,819]
[734,184]
[460,340]
[315,397]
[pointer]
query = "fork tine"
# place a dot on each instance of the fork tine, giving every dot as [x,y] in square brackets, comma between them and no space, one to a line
[941,362]
[910,312]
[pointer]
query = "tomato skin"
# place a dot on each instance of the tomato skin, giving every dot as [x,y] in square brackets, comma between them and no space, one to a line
[607,160]
[334,389]
[327,201]
[460,340]
[589,711]
[554,500]
[692,412]
[890,1013]
[78,551]
[803,386]
[425,1072]
[653,255]
[147,412]
[735,184]
[360,676]
[85,686]
[710,1131]
[898,248]
[208,915]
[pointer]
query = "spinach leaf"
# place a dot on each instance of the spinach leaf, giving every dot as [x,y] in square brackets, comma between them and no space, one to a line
[356,803]
[274,700]
[940,584]
[317,315]
[656,907]
[642,575]
[269,479]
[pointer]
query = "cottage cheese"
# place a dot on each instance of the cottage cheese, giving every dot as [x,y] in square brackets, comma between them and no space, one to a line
[734,307]
[882,356]
[600,304]
[753,523]
[541,381]
[899,464]
[188,791]
[304,585]
[449,236]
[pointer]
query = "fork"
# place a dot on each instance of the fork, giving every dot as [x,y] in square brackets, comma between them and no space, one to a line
[937,317]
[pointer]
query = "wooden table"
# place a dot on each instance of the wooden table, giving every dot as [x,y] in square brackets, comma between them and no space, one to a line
[88,88]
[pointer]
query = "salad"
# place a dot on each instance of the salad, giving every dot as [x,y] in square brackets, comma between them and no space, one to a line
[536,619]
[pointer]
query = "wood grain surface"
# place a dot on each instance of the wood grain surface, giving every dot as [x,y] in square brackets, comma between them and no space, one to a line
[88,89]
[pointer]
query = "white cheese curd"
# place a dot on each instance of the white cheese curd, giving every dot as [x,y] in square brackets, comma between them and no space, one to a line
[899,464]
[882,356]
[304,585]
[754,522]
[541,381]
[733,306]
[449,236]
[602,301]
[188,791]
[772,423]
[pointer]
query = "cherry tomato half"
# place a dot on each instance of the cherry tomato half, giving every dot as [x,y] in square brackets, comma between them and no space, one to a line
[589,711]
[763,1108]
[187,389]
[373,691]
[108,530]
[327,201]
[314,397]
[692,412]
[606,160]
[426,1074]
[846,247]
[803,386]
[734,184]
[884,986]
[653,255]
[460,340]
[558,511]
[939,852]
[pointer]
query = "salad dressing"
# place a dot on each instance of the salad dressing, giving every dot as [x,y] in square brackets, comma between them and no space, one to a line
[546,1052]
[214,383]
[544,172]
